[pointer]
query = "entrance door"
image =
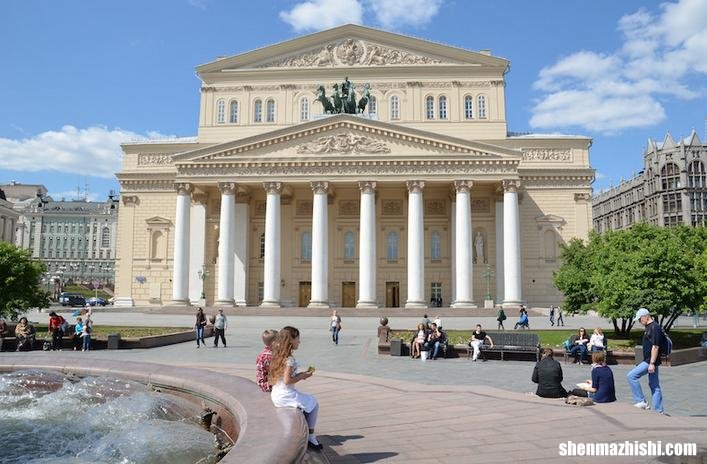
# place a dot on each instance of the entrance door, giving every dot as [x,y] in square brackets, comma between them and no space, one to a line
[348,294]
[305,294]
[392,294]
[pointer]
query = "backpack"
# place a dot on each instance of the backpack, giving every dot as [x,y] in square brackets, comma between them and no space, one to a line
[666,347]
[567,345]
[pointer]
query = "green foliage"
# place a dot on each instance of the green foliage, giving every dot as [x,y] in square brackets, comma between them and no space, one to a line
[662,269]
[19,282]
[86,292]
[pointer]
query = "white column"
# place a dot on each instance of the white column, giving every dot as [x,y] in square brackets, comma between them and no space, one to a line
[226,241]
[416,246]
[320,246]
[180,278]
[463,260]
[499,250]
[240,272]
[453,250]
[367,247]
[20,236]
[511,245]
[271,265]
[197,246]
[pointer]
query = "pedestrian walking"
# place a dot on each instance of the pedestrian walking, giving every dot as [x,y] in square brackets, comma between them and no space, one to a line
[552,316]
[654,345]
[335,327]
[500,317]
[560,321]
[220,325]
[199,326]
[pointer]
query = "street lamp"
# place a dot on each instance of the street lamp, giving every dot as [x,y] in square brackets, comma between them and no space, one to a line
[488,274]
[203,274]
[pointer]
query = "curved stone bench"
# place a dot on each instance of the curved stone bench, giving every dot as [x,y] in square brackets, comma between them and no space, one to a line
[265,434]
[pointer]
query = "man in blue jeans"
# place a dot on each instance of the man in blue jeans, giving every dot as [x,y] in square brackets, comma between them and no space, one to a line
[652,347]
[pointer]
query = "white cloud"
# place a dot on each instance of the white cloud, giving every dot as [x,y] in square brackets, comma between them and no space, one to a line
[313,15]
[393,14]
[608,92]
[74,195]
[94,151]
[323,14]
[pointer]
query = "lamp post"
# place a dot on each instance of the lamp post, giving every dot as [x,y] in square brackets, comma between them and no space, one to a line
[202,273]
[488,275]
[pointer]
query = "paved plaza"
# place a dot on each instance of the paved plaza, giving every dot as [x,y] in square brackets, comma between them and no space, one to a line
[378,408]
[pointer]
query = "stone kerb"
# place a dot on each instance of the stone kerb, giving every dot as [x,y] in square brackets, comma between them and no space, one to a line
[265,434]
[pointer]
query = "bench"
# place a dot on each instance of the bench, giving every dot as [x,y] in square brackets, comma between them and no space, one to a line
[9,342]
[606,351]
[510,342]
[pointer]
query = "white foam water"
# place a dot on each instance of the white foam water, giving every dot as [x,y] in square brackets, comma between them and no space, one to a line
[49,418]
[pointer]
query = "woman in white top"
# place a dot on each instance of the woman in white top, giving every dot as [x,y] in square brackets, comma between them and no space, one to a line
[596,342]
[283,376]
[335,327]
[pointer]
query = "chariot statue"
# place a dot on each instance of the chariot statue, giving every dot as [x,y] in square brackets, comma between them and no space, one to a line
[343,99]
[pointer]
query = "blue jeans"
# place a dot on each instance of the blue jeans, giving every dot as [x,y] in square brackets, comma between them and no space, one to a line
[653,382]
[435,351]
[200,335]
[579,352]
[86,342]
[335,335]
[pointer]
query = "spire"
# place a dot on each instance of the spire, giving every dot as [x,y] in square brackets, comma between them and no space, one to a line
[668,142]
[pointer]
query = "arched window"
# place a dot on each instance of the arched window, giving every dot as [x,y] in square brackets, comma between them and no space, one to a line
[372,106]
[650,181]
[481,106]
[233,112]
[105,238]
[306,246]
[550,245]
[221,111]
[349,245]
[430,107]
[262,245]
[442,107]
[469,107]
[697,178]
[304,109]
[270,108]
[436,246]
[392,246]
[258,111]
[670,176]
[394,108]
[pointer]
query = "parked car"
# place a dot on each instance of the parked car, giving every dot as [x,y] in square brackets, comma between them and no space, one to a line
[97,301]
[72,299]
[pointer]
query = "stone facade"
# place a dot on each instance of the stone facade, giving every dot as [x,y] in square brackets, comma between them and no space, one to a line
[670,190]
[8,219]
[276,203]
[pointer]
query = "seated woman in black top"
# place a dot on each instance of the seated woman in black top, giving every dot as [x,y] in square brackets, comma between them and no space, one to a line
[548,375]
[601,386]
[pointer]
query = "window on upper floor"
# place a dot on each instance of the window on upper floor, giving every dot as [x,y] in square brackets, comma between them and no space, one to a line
[468,107]
[481,105]
[304,109]
[430,107]
[258,111]
[221,111]
[270,110]
[262,246]
[670,176]
[394,108]
[697,178]
[442,107]
[233,112]
[105,238]
[306,246]
[436,246]
[372,106]
[392,246]
[349,245]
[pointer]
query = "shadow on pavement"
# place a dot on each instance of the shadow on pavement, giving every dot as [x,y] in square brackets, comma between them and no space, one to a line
[372,457]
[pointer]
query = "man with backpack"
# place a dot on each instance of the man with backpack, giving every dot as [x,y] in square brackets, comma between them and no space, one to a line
[656,343]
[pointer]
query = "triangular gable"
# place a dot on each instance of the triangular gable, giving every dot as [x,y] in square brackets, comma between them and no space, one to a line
[158,221]
[352,45]
[668,142]
[694,139]
[345,134]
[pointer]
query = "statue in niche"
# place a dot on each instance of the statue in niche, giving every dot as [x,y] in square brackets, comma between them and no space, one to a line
[479,245]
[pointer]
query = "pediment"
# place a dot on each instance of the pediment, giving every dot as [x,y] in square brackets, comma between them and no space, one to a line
[550,220]
[158,222]
[347,137]
[352,46]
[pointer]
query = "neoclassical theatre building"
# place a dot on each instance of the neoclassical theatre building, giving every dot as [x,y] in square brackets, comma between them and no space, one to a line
[421,197]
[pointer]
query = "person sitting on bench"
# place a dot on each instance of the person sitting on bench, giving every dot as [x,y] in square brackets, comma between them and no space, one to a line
[578,344]
[477,340]
[548,375]
[436,339]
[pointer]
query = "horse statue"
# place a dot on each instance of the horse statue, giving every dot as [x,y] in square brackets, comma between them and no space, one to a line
[349,95]
[338,101]
[326,104]
[365,97]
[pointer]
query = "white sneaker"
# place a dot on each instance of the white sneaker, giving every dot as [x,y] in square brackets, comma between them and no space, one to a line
[642,405]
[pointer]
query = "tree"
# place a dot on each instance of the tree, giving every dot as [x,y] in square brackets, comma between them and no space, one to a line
[662,269]
[19,282]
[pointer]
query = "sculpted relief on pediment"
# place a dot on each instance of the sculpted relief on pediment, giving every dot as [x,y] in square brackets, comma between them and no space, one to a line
[346,142]
[351,52]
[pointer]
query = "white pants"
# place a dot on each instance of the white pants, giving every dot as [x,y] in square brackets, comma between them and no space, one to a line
[476,346]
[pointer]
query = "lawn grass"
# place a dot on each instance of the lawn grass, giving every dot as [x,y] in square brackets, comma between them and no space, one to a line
[86,292]
[102,331]
[682,338]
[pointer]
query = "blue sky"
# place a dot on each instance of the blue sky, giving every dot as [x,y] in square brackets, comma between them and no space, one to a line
[80,77]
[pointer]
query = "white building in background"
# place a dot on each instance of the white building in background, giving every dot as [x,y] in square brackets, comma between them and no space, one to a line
[8,219]
[76,239]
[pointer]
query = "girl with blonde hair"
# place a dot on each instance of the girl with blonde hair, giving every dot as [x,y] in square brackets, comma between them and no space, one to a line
[596,342]
[283,376]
